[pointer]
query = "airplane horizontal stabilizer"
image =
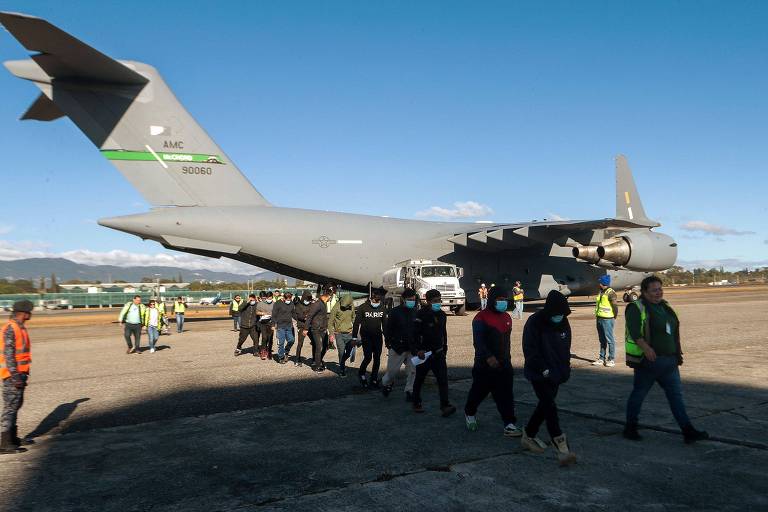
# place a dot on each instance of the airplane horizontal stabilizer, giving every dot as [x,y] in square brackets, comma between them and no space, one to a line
[43,109]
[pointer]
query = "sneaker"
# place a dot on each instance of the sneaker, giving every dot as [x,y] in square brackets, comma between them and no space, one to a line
[533,444]
[152,351]
[238,352]
[447,410]
[630,432]
[386,390]
[409,396]
[269,355]
[511,430]
[343,372]
[564,454]
[599,362]
[471,423]
[129,351]
[691,435]
[417,407]
[298,363]
[363,381]
[263,354]
[374,384]
[610,363]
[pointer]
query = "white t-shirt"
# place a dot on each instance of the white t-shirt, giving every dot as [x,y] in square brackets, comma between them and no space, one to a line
[154,316]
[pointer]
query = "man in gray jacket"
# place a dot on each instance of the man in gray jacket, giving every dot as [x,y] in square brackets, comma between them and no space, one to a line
[264,312]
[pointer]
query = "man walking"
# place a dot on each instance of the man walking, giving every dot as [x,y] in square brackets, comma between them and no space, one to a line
[264,312]
[234,311]
[282,321]
[317,328]
[249,325]
[153,322]
[132,318]
[517,296]
[300,310]
[398,337]
[430,344]
[179,308]
[370,322]
[606,311]
[15,361]
[340,324]
[482,293]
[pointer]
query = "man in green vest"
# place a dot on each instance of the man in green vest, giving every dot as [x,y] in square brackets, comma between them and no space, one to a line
[234,310]
[132,319]
[652,340]
[606,311]
[179,308]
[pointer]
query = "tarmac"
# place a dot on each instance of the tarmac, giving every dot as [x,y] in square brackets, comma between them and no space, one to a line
[193,428]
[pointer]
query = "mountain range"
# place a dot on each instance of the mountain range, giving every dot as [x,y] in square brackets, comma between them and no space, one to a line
[65,270]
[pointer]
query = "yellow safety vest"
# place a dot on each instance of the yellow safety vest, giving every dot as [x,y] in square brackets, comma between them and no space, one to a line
[179,307]
[603,307]
[633,350]
[518,293]
[235,306]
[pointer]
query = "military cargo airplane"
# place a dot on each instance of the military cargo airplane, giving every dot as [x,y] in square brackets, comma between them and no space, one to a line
[129,113]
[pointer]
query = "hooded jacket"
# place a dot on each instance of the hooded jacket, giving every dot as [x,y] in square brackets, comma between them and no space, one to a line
[342,316]
[370,322]
[317,316]
[300,310]
[430,331]
[282,315]
[546,345]
[248,316]
[399,328]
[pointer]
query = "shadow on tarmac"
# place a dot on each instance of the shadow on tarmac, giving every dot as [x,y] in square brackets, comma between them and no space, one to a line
[59,414]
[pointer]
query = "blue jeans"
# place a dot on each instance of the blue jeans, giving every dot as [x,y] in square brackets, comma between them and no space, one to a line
[518,312]
[343,347]
[605,333]
[483,303]
[284,334]
[664,371]
[153,333]
[179,322]
[236,320]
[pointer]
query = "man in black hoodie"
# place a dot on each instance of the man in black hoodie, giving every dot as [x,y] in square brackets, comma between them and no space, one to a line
[547,349]
[249,324]
[398,337]
[492,371]
[369,326]
[431,337]
[300,310]
[317,328]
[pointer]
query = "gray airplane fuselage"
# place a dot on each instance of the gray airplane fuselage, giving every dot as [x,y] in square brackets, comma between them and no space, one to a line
[355,250]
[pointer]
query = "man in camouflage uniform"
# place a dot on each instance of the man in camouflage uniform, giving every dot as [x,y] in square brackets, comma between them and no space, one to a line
[15,361]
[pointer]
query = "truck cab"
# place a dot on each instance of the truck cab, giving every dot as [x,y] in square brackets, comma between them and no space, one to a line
[424,275]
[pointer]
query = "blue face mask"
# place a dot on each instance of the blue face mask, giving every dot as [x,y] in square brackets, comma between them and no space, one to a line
[306,302]
[436,307]
[501,305]
[375,304]
[556,319]
[410,304]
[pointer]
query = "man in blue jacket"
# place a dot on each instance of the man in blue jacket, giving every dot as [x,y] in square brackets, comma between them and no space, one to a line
[547,349]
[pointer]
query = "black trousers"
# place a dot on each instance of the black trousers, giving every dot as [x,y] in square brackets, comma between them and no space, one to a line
[439,368]
[135,331]
[546,409]
[319,340]
[499,383]
[371,351]
[267,336]
[253,332]
[299,342]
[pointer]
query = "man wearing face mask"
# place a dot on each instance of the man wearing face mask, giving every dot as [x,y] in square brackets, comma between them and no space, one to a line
[547,350]
[249,325]
[398,337]
[370,323]
[282,322]
[340,325]
[264,312]
[15,362]
[431,335]
[300,310]
[317,328]
[492,370]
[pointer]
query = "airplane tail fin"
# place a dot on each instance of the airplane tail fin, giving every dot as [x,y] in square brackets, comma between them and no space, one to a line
[129,113]
[628,203]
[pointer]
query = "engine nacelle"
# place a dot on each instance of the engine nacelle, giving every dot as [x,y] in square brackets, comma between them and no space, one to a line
[586,253]
[645,251]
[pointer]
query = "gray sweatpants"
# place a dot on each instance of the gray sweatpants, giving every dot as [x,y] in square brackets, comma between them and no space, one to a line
[394,362]
[13,399]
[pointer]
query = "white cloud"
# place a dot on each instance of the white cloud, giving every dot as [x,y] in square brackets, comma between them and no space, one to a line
[461,209]
[712,229]
[727,263]
[554,216]
[6,228]
[14,250]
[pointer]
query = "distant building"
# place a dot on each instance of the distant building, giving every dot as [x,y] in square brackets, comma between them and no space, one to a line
[123,287]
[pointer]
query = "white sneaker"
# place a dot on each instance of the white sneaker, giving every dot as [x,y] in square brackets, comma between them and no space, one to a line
[610,363]
[471,423]
[599,362]
[511,430]
[564,454]
[151,351]
[533,444]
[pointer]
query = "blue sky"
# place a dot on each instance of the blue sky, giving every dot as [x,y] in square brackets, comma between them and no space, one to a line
[401,108]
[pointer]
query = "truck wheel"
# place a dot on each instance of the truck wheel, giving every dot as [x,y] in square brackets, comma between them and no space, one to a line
[460,310]
[633,296]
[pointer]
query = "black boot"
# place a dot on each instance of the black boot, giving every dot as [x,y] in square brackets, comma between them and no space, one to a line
[19,441]
[7,445]
[631,433]
[691,435]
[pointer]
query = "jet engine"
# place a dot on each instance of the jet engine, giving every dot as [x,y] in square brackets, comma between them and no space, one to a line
[643,251]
